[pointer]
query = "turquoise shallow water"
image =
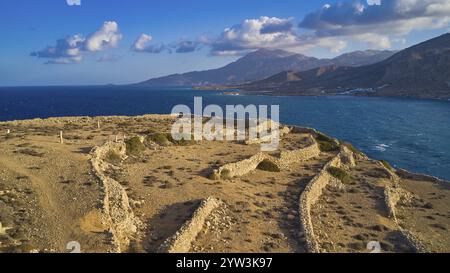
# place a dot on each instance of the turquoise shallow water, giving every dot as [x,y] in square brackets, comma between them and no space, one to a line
[411,134]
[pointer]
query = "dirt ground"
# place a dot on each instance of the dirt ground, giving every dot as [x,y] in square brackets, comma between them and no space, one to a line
[49,195]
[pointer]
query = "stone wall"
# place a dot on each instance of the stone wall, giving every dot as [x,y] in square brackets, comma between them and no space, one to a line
[182,240]
[394,195]
[286,158]
[243,167]
[289,157]
[117,213]
[309,197]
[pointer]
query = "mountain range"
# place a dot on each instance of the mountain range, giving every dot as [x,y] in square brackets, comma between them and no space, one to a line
[263,63]
[421,71]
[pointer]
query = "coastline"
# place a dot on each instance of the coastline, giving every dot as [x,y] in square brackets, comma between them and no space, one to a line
[87,119]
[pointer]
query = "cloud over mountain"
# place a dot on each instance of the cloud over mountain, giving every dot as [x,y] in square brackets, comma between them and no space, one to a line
[376,21]
[72,48]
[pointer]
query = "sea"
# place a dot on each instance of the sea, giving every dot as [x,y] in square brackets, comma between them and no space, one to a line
[408,133]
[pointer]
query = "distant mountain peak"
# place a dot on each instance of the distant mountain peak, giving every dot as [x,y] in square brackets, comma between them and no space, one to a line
[422,71]
[261,64]
[273,53]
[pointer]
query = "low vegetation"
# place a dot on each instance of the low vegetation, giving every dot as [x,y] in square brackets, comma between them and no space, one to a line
[182,142]
[214,176]
[268,166]
[340,174]
[387,165]
[225,174]
[31,152]
[352,148]
[134,146]
[159,138]
[113,158]
[326,143]
[166,139]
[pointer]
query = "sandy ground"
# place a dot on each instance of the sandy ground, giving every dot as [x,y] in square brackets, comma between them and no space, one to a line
[49,195]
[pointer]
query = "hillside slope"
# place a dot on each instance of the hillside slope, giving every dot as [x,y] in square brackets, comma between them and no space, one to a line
[421,71]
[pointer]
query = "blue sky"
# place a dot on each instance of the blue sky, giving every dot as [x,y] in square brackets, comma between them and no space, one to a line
[118,41]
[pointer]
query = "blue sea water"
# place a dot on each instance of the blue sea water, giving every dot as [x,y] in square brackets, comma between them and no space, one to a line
[408,133]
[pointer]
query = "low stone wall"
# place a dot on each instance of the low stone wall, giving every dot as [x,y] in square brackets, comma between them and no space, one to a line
[393,196]
[268,138]
[417,245]
[243,167]
[286,158]
[117,213]
[182,240]
[309,197]
[290,157]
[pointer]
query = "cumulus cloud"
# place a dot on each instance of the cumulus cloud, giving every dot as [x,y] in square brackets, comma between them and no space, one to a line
[377,21]
[71,49]
[187,46]
[67,50]
[264,32]
[107,36]
[142,44]
[73,2]
[276,25]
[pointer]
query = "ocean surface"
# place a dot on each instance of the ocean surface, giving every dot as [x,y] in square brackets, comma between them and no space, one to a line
[408,133]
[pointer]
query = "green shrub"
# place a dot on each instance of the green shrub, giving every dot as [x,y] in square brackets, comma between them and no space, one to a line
[159,138]
[225,174]
[214,176]
[134,146]
[326,143]
[352,148]
[182,142]
[268,166]
[326,146]
[323,137]
[113,158]
[340,174]
[387,165]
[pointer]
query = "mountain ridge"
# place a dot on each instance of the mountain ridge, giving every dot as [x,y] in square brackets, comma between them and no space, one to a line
[263,63]
[421,71]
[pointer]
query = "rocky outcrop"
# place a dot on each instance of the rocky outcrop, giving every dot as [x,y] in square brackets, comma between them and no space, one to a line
[117,213]
[420,177]
[313,192]
[182,240]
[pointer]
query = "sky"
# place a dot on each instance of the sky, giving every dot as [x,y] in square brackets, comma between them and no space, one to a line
[89,42]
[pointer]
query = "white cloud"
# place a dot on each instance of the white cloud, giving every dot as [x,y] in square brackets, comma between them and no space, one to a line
[107,36]
[378,22]
[373,2]
[73,2]
[142,45]
[141,42]
[264,32]
[72,48]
